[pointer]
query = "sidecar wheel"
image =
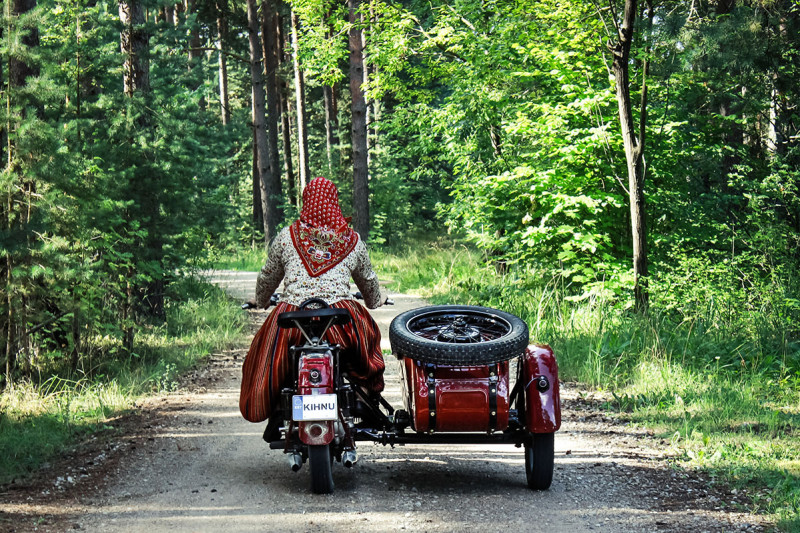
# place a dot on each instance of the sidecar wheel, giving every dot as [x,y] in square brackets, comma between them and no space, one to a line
[539,458]
[320,462]
[458,335]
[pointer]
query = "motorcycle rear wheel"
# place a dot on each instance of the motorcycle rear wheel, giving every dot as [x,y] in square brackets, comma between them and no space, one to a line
[320,462]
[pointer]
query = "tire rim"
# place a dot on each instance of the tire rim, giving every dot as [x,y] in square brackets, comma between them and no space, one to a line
[459,327]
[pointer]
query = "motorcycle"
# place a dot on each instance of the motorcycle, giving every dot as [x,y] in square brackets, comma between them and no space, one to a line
[455,362]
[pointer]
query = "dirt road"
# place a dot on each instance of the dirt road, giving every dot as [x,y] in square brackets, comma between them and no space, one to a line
[188,462]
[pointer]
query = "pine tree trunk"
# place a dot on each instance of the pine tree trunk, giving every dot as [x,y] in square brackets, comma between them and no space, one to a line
[268,29]
[300,105]
[268,199]
[134,44]
[286,127]
[358,109]
[222,34]
[19,71]
[365,72]
[634,150]
[169,15]
[337,134]
[372,70]
[258,213]
[18,207]
[327,100]
[10,345]
[195,52]
[195,44]
[5,267]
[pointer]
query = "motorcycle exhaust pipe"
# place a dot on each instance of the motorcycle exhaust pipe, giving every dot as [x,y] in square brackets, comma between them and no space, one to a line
[349,458]
[295,461]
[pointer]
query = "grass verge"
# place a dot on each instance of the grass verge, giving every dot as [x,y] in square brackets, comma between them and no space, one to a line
[716,387]
[245,260]
[39,420]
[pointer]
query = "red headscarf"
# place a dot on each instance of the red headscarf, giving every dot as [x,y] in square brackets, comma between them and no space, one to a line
[321,236]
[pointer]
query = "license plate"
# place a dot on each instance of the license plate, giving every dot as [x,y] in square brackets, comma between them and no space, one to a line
[315,407]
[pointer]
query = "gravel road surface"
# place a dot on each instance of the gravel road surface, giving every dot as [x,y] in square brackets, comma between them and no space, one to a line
[188,462]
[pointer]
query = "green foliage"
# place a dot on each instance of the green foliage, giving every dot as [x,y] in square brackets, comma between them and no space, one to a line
[38,420]
[111,196]
[323,40]
[721,385]
[512,123]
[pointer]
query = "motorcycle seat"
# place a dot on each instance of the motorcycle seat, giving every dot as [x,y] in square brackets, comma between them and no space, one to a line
[292,319]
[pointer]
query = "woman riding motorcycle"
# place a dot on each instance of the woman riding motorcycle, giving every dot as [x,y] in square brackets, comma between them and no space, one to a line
[316,257]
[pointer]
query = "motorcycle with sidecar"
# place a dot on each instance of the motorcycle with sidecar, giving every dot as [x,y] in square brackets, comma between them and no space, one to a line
[456,363]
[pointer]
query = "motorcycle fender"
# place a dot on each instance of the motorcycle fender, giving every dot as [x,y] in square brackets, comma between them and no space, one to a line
[316,433]
[316,376]
[540,381]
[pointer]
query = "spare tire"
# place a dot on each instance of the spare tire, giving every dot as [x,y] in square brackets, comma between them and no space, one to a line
[458,335]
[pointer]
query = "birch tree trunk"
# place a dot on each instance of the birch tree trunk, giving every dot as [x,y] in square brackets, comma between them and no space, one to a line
[365,29]
[779,114]
[375,104]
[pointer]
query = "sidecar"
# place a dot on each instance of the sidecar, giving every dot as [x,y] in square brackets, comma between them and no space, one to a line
[456,365]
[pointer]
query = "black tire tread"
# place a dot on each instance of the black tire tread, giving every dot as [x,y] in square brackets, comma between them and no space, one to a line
[539,459]
[319,458]
[407,344]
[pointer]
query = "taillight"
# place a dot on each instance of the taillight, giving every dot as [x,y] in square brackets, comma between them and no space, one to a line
[316,432]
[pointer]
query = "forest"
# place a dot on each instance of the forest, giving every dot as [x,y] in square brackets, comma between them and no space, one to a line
[633,161]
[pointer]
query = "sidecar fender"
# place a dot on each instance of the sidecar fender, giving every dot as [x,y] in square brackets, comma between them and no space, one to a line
[540,384]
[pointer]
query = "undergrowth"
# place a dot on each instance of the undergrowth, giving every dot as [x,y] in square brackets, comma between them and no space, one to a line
[723,388]
[39,419]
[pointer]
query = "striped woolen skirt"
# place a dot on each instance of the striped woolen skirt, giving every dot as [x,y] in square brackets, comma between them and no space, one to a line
[266,368]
